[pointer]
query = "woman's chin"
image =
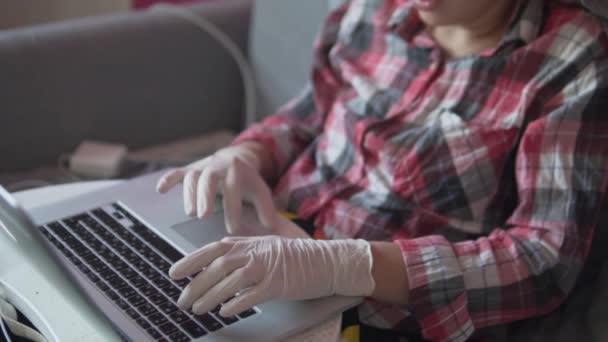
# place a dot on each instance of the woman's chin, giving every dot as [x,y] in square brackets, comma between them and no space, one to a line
[433,18]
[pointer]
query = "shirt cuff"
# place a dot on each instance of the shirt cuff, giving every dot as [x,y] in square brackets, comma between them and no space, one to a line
[438,300]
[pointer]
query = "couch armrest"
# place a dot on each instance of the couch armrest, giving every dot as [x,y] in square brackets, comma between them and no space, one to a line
[138,78]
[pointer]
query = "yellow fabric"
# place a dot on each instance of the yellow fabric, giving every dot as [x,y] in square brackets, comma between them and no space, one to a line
[288,215]
[351,334]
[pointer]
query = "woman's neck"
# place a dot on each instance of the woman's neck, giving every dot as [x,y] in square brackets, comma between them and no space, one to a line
[484,32]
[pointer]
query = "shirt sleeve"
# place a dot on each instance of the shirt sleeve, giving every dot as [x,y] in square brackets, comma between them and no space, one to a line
[289,131]
[529,266]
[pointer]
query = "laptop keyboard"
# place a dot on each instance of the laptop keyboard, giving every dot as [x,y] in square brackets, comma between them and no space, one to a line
[129,263]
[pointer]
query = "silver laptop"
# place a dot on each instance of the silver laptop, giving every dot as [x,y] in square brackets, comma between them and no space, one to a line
[117,246]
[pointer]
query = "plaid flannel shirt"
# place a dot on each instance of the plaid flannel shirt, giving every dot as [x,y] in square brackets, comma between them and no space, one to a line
[488,171]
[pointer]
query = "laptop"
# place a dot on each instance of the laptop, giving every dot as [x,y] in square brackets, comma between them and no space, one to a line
[117,245]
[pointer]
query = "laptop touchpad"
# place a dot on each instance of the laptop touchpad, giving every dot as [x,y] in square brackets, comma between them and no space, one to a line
[201,232]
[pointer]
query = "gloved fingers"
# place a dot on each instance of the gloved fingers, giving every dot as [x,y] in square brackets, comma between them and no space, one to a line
[208,278]
[233,239]
[169,180]
[238,280]
[233,196]
[247,299]
[199,259]
[208,185]
[264,205]
[190,186]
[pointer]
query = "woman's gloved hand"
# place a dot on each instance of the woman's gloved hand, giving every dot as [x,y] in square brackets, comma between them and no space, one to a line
[233,171]
[271,267]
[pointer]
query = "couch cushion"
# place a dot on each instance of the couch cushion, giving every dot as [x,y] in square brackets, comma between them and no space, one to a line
[281,41]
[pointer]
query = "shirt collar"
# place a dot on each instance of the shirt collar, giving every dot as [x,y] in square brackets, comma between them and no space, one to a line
[526,21]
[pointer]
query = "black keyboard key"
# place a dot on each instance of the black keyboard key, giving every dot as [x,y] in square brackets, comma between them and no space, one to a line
[147,309]
[163,266]
[138,281]
[129,273]
[193,329]
[142,323]
[179,336]
[110,238]
[132,313]
[75,261]
[93,277]
[208,322]
[151,274]
[89,257]
[107,254]
[227,320]
[156,260]
[54,241]
[168,328]
[168,308]
[179,317]
[162,282]
[137,300]
[136,243]
[108,275]
[117,283]
[58,229]
[157,319]
[247,313]
[149,253]
[140,265]
[117,263]
[102,286]
[86,235]
[173,292]
[162,246]
[112,295]
[148,290]
[89,221]
[96,245]
[158,299]
[154,333]
[138,228]
[121,303]
[121,231]
[84,269]
[127,291]
[71,222]
[122,249]
[132,257]
[120,266]
[98,265]
[182,282]
[101,215]
[66,252]
[76,245]
[85,254]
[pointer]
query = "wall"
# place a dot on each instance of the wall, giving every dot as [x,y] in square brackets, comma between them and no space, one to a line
[14,13]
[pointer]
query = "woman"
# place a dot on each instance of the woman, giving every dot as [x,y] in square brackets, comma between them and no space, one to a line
[451,155]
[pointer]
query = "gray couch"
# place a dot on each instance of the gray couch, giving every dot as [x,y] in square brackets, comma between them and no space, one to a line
[144,78]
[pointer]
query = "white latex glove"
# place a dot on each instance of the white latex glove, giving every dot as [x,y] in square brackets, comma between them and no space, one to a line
[231,171]
[271,267]
[8,313]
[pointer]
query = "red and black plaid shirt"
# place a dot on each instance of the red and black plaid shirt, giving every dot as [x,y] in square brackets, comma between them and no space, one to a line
[488,171]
